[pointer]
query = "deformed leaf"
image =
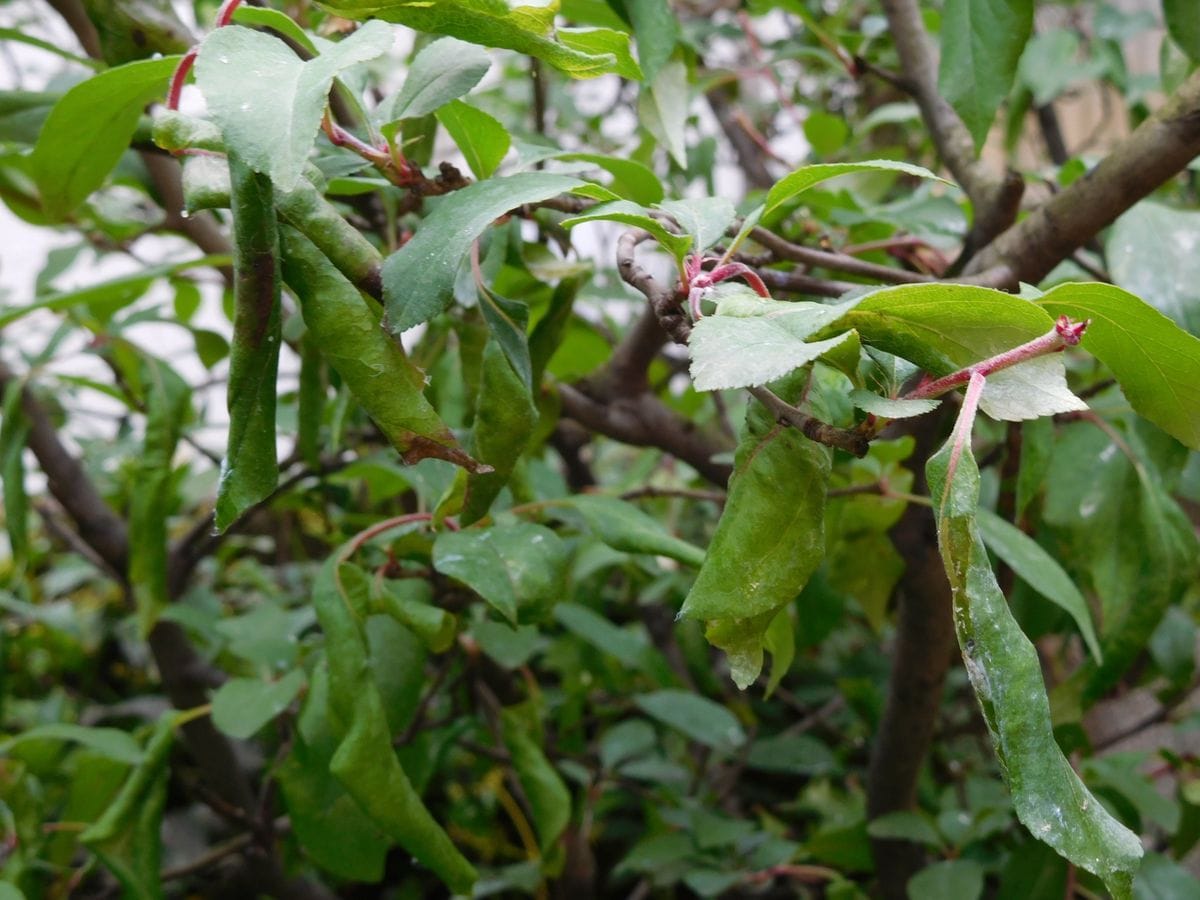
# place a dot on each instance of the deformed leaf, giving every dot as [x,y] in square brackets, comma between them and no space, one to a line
[624,527]
[1003,666]
[267,100]
[418,279]
[526,28]
[89,128]
[1156,362]
[443,71]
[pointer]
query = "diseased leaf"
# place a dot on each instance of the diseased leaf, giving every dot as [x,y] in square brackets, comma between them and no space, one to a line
[267,101]
[443,71]
[249,470]
[242,706]
[127,837]
[1040,571]
[418,279]
[365,762]
[624,527]
[768,542]
[1156,362]
[482,140]
[88,130]
[168,402]
[982,41]
[515,568]
[1003,666]
[526,28]
[349,335]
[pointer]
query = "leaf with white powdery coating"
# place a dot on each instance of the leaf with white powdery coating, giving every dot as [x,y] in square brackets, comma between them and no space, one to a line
[982,41]
[1003,666]
[267,100]
[730,352]
[1155,361]
[768,542]
[418,279]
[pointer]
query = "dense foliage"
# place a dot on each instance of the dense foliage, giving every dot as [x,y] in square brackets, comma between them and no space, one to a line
[552,449]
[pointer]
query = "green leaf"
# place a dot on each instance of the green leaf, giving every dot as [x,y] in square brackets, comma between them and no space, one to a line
[505,417]
[242,706]
[705,219]
[515,568]
[730,352]
[1156,362]
[373,366]
[632,650]
[624,527]
[663,109]
[127,837]
[265,17]
[249,471]
[418,279]
[410,602]
[656,30]
[14,432]
[794,754]
[944,327]
[1183,24]
[890,408]
[267,101]
[628,213]
[527,29]
[603,42]
[110,742]
[549,799]
[1040,571]
[365,762]
[168,403]
[1149,252]
[631,179]
[982,41]
[89,129]
[482,140]
[796,183]
[906,825]
[1050,65]
[768,541]
[826,132]
[443,71]
[699,718]
[1003,666]
[949,879]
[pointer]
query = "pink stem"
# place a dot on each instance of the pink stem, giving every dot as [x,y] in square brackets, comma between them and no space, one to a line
[179,77]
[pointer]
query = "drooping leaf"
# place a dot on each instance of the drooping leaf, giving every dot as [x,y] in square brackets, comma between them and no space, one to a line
[14,430]
[249,470]
[1003,666]
[624,527]
[1040,571]
[943,327]
[127,837]
[515,568]
[374,367]
[663,109]
[508,321]
[267,101]
[481,138]
[982,41]
[699,718]
[168,402]
[527,29]
[549,799]
[418,279]
[110,742]
[629,213]
[242,706]
[443,71]
[1156,362]
[410,602]
[88,130]
[768,542]
[656,30]
[365,762]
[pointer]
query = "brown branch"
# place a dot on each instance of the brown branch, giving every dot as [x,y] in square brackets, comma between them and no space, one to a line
[799,283]
[1158,149]
[749,155]
[994,198]
[838,262]
[848,439]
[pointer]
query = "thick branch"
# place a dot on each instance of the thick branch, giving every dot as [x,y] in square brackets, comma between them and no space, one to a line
[1158,149]
[995,198]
